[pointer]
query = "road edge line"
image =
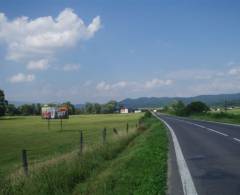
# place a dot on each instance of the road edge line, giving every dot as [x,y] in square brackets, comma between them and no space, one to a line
[201,120]
[186,178]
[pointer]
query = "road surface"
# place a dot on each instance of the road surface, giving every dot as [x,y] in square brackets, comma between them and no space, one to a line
[211,152]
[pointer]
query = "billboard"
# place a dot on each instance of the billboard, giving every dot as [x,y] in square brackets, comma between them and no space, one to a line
[50,112]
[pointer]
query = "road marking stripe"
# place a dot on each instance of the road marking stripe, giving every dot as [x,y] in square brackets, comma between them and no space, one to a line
[224,134]
[220,133]
[187,181]
[236,139]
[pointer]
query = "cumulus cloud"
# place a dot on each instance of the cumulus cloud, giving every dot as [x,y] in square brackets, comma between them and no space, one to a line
[133,85]
[38,65]
[44,35]
[104,86]
[157,83]
[71,67]
[20,77]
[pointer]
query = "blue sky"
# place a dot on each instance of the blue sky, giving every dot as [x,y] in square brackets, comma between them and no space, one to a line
[53,51]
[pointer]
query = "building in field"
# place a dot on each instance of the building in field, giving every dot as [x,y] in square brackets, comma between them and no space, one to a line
[123,110]
[137,111]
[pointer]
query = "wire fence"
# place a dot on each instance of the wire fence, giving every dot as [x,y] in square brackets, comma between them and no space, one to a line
[84,140]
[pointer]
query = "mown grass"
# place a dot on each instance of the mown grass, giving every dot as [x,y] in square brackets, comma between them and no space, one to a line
[140,169]
[133,163]
[31,133]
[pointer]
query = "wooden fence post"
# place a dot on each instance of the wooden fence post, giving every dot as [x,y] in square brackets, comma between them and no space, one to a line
[61,123]
[104,135]
[115,131]
[25,162]
[127,128]
[81,142]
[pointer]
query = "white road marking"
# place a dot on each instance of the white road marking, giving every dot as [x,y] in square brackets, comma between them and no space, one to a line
[236,139]
[186,178]
[224,134]
[201,126]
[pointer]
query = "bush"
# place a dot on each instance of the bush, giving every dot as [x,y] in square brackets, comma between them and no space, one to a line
[179,108]
[196,107]
[147,114]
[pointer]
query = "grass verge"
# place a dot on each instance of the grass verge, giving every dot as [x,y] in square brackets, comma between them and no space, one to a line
[223,117]
[140,169]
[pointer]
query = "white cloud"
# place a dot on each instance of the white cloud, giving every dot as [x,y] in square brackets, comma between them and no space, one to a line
[157,83]
[38,65]
[234,71]
[133,85]
[71,67]
[20,77]
[103,86]
[44,35]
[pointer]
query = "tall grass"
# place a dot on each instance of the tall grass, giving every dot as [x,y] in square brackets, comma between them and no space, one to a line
[59,176]
[31,133]
[220,117]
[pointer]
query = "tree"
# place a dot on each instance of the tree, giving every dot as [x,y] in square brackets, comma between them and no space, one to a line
[3,103]
[109,107]
[71,107]
[38,108]
[179,108]
[12,110]
[196,107]
[26,109]
[97,108]
[88,108]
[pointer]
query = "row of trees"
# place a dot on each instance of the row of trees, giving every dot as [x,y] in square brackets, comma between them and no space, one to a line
[95,108]
[35,109]
[30,109]
[180,109]
[26,109]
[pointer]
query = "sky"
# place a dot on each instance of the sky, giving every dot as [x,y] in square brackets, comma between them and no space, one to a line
[99,50]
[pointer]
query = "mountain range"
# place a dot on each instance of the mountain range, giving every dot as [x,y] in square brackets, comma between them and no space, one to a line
[211,100]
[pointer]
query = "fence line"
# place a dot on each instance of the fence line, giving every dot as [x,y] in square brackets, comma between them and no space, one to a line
[86,140]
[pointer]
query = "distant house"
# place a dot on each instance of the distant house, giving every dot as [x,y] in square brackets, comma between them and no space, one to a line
[123,110]
[137,111]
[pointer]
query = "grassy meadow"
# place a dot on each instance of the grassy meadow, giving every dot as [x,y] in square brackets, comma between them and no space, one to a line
[31,133]
[130,163]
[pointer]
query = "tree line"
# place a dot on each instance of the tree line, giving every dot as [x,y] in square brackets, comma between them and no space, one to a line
[180,109]
[35,109]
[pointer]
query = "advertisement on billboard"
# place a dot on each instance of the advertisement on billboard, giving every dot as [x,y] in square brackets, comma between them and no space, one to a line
[51,112]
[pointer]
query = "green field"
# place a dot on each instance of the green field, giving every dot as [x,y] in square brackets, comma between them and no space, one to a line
[31,133]
[231,111]
[234,111]
[129,163]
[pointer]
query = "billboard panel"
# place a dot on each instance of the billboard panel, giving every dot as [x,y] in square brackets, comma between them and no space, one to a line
[49,112]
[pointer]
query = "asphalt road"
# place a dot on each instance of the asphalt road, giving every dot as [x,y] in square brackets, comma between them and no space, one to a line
[211,152]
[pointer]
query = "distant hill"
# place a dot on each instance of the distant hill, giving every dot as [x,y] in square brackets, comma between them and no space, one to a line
[211,100]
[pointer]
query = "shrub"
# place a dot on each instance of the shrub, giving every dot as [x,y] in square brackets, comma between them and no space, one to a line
[147,114]
[196,107]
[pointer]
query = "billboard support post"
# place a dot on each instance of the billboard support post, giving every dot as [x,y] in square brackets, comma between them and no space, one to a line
[55,112]
[48,123]
[61,123]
